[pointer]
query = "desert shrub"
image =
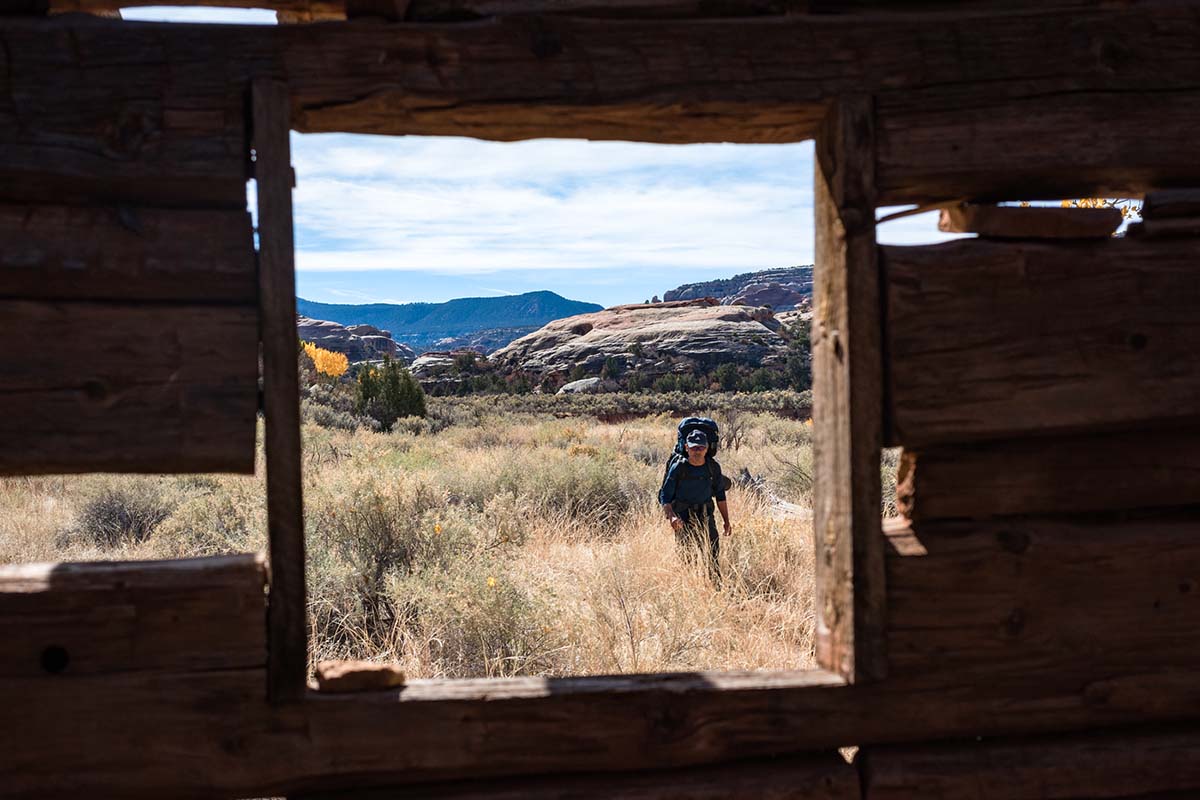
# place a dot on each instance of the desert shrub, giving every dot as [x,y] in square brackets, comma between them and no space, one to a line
[795,474]
[214,522]
[367,536]
[589,491]
[473,620]
[329,417]
[124,512]
[778,401]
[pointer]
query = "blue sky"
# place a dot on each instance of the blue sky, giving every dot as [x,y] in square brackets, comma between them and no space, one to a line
[404,219]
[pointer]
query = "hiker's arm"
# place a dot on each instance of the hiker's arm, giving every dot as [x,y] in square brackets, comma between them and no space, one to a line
[723,507]
[675,521]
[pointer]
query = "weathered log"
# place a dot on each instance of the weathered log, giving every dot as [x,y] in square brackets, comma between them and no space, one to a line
[1171,203]
[206,734]
[288,620]
[1140,469]
[1100,764]
[1167,228]
[311,9]
[69,620]
[822,776]
[63,252]
[357,676]
[457,10]
[104,110]
[992,340]
[764,79]
[847,398]
[127,388]
[1058,601]
[1030,222]
[1085,140]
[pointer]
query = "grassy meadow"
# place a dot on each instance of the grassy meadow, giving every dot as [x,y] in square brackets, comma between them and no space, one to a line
[487,541]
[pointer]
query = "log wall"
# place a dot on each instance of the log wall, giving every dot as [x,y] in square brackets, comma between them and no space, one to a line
[1035,591]
[127,267]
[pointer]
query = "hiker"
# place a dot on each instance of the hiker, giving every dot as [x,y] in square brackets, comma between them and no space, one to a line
[690,487]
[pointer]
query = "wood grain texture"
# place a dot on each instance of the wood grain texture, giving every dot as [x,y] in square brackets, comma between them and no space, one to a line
[948,114]
[1052,601]
[288,666]
[847,399]
[68,620]
[1102,764]
[991,340]
[959,142]
[821,776]
[123,387]
[104,110]
[1059,475]
[206,734]
[64,252]
[1172,204]
[1029,222]
[458,10]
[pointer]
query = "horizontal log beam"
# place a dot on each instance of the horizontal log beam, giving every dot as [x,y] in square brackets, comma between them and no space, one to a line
[1101,764]
[60,621]
[124,387]
[968,143]
[1030,222]
[169,122]
[89,253]
[993,340]
[822,776]
[1106,472]
[103,110]
[1051,601]
[212,734]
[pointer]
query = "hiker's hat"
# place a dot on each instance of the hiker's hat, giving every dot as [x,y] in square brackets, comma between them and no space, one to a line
[697,439]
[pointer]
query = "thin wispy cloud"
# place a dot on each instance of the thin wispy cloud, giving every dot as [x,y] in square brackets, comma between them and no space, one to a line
[457,206]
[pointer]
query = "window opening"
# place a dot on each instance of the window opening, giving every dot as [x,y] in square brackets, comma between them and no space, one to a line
[512,529]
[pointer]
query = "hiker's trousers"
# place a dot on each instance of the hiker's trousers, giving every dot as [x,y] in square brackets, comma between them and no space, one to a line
[699,535]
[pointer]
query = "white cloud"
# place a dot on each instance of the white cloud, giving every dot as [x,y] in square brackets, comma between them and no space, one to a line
[461,206]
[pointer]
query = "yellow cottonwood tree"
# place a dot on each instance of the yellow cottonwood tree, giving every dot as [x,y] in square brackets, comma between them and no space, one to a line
[327,362]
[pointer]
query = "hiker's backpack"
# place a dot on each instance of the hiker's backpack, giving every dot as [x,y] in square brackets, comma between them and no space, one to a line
[710,429]
[697,424]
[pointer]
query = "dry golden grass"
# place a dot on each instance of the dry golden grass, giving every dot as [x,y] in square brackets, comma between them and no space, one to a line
[501,545]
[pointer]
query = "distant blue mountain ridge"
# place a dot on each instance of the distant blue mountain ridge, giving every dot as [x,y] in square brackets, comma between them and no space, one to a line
[425,326]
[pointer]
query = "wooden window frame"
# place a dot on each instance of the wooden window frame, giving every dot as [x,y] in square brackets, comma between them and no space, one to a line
[847,398]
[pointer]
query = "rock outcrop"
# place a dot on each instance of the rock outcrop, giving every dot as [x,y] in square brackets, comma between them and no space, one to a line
[773,295]
[588,386]
[358,342]
[652,339]
[486,341]
[788,287]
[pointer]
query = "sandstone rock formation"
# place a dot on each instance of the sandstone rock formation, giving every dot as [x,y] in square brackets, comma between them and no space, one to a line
[652,339]
[773,295]
[588,386]
[778,288]
[358,342]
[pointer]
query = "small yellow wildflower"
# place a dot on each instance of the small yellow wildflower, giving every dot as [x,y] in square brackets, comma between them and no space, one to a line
[437,528]
[491,582]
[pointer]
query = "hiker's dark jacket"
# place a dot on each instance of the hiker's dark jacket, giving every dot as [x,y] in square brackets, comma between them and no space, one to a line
[692,486]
